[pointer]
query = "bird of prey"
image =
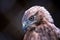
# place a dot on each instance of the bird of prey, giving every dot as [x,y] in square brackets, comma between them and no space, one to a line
[38,24]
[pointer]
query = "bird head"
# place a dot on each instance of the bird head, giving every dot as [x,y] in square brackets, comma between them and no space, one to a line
[34,15]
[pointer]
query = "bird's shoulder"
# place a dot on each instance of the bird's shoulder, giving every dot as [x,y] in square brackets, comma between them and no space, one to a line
[41,33]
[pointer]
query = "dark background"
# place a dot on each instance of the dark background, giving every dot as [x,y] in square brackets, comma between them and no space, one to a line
[11,12]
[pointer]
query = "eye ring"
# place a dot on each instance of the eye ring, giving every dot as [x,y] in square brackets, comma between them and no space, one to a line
[31,18]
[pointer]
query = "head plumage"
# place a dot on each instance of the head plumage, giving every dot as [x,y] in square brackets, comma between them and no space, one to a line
[31,11]
[34,9]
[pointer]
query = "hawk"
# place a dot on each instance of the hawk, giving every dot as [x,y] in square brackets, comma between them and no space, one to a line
[38,24]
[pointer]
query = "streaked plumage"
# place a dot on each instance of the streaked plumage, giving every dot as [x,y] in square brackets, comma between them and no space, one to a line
[39,25]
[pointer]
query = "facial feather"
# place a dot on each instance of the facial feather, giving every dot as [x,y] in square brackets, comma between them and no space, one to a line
[36,13]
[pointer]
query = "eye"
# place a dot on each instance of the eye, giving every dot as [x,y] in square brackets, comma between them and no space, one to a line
[31,18]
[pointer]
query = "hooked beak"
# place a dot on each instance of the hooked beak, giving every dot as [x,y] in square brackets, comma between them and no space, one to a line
[24,26]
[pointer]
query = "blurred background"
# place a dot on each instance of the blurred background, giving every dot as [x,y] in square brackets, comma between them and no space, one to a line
[11,12]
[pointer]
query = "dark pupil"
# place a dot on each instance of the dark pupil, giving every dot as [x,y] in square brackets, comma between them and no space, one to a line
[31,18]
